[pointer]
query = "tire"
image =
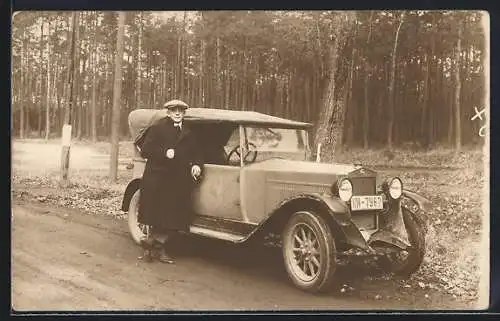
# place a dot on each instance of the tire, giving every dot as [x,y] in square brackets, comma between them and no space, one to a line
[311,271]
[416,234]
[137,231]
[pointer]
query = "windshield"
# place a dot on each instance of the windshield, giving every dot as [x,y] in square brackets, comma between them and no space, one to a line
[272,143]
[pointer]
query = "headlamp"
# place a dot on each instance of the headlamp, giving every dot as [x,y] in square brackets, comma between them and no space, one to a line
[344,188]
[395,188]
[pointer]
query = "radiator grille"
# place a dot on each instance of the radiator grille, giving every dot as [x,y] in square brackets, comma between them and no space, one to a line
[363,185]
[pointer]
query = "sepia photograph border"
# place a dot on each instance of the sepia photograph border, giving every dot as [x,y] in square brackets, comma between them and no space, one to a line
[490,241]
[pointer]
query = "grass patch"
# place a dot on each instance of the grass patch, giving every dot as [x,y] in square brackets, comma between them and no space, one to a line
[410,158]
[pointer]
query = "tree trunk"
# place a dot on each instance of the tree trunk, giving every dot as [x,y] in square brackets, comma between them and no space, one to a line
[56,97]
[424,124]
[330,112]
[80,98]
[467,97]
[307,94]
[31,92]
[139,67]
[245,79]
[65,153]
[314,95]
[390,121]
[75,78]
[218,89]
[255,98]
[86,96]
[320,50]
[279,95]
[182,64]
[458,84]
[117,87]
[366,109]
[331,120]
[426,106]
[450,100]
[93,112]
[202,74]
[244,84]
[289,94]
[105,100]
[22,89]
[65,90]
[228,81]
[28,95]
[40,82]
[153,86]
[47,101]
[349,112]
[178,68]
[73,70]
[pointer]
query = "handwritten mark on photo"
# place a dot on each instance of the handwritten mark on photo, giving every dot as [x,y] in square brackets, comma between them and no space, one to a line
[479,114]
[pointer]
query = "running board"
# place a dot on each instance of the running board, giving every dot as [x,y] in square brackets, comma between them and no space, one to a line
[235,238]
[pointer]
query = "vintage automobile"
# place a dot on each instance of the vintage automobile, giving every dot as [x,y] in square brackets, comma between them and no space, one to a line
[258,181]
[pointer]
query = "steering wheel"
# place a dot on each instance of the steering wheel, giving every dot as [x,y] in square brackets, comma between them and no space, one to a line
[249,157]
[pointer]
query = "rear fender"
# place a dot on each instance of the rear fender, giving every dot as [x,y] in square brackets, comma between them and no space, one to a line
[335,211]
[132,187]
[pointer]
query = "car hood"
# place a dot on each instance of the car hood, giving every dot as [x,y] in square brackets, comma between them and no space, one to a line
[265,185]
[284,165]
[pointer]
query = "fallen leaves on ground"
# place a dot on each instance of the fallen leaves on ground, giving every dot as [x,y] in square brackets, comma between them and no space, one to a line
[90,199]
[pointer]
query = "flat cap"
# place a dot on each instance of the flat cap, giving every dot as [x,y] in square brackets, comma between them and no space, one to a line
[175,103]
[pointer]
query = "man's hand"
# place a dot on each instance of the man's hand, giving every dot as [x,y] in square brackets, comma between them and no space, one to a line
[196,172]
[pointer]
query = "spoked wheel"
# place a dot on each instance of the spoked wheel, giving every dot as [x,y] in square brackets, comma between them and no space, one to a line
[405,263]
[137,231]
[309,252]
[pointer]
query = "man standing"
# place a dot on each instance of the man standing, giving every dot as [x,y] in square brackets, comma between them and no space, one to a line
[173,166]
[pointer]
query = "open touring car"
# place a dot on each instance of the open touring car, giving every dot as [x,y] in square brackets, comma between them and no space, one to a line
[258,180]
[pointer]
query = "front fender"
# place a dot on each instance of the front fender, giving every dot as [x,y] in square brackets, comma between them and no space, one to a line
[336,209]
[422,202]
[341,214]
[132,187]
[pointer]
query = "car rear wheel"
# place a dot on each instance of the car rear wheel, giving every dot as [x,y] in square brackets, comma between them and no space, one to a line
[137,231]
[309,252]
[408,262]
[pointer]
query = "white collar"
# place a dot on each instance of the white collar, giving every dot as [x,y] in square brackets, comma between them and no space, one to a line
[179,124]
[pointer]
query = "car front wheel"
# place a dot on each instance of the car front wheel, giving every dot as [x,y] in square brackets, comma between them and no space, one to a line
[309,252]
[137,231]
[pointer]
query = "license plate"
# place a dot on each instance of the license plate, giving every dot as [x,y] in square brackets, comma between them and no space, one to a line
[359,203]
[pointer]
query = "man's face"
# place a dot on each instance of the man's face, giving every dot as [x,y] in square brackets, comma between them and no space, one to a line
[176,113]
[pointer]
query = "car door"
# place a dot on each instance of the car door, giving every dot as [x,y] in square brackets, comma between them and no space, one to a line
[218,194]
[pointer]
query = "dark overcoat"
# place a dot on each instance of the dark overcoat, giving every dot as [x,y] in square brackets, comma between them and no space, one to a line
[167,184]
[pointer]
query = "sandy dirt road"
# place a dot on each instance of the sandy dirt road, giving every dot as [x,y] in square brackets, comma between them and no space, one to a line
[66,260]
